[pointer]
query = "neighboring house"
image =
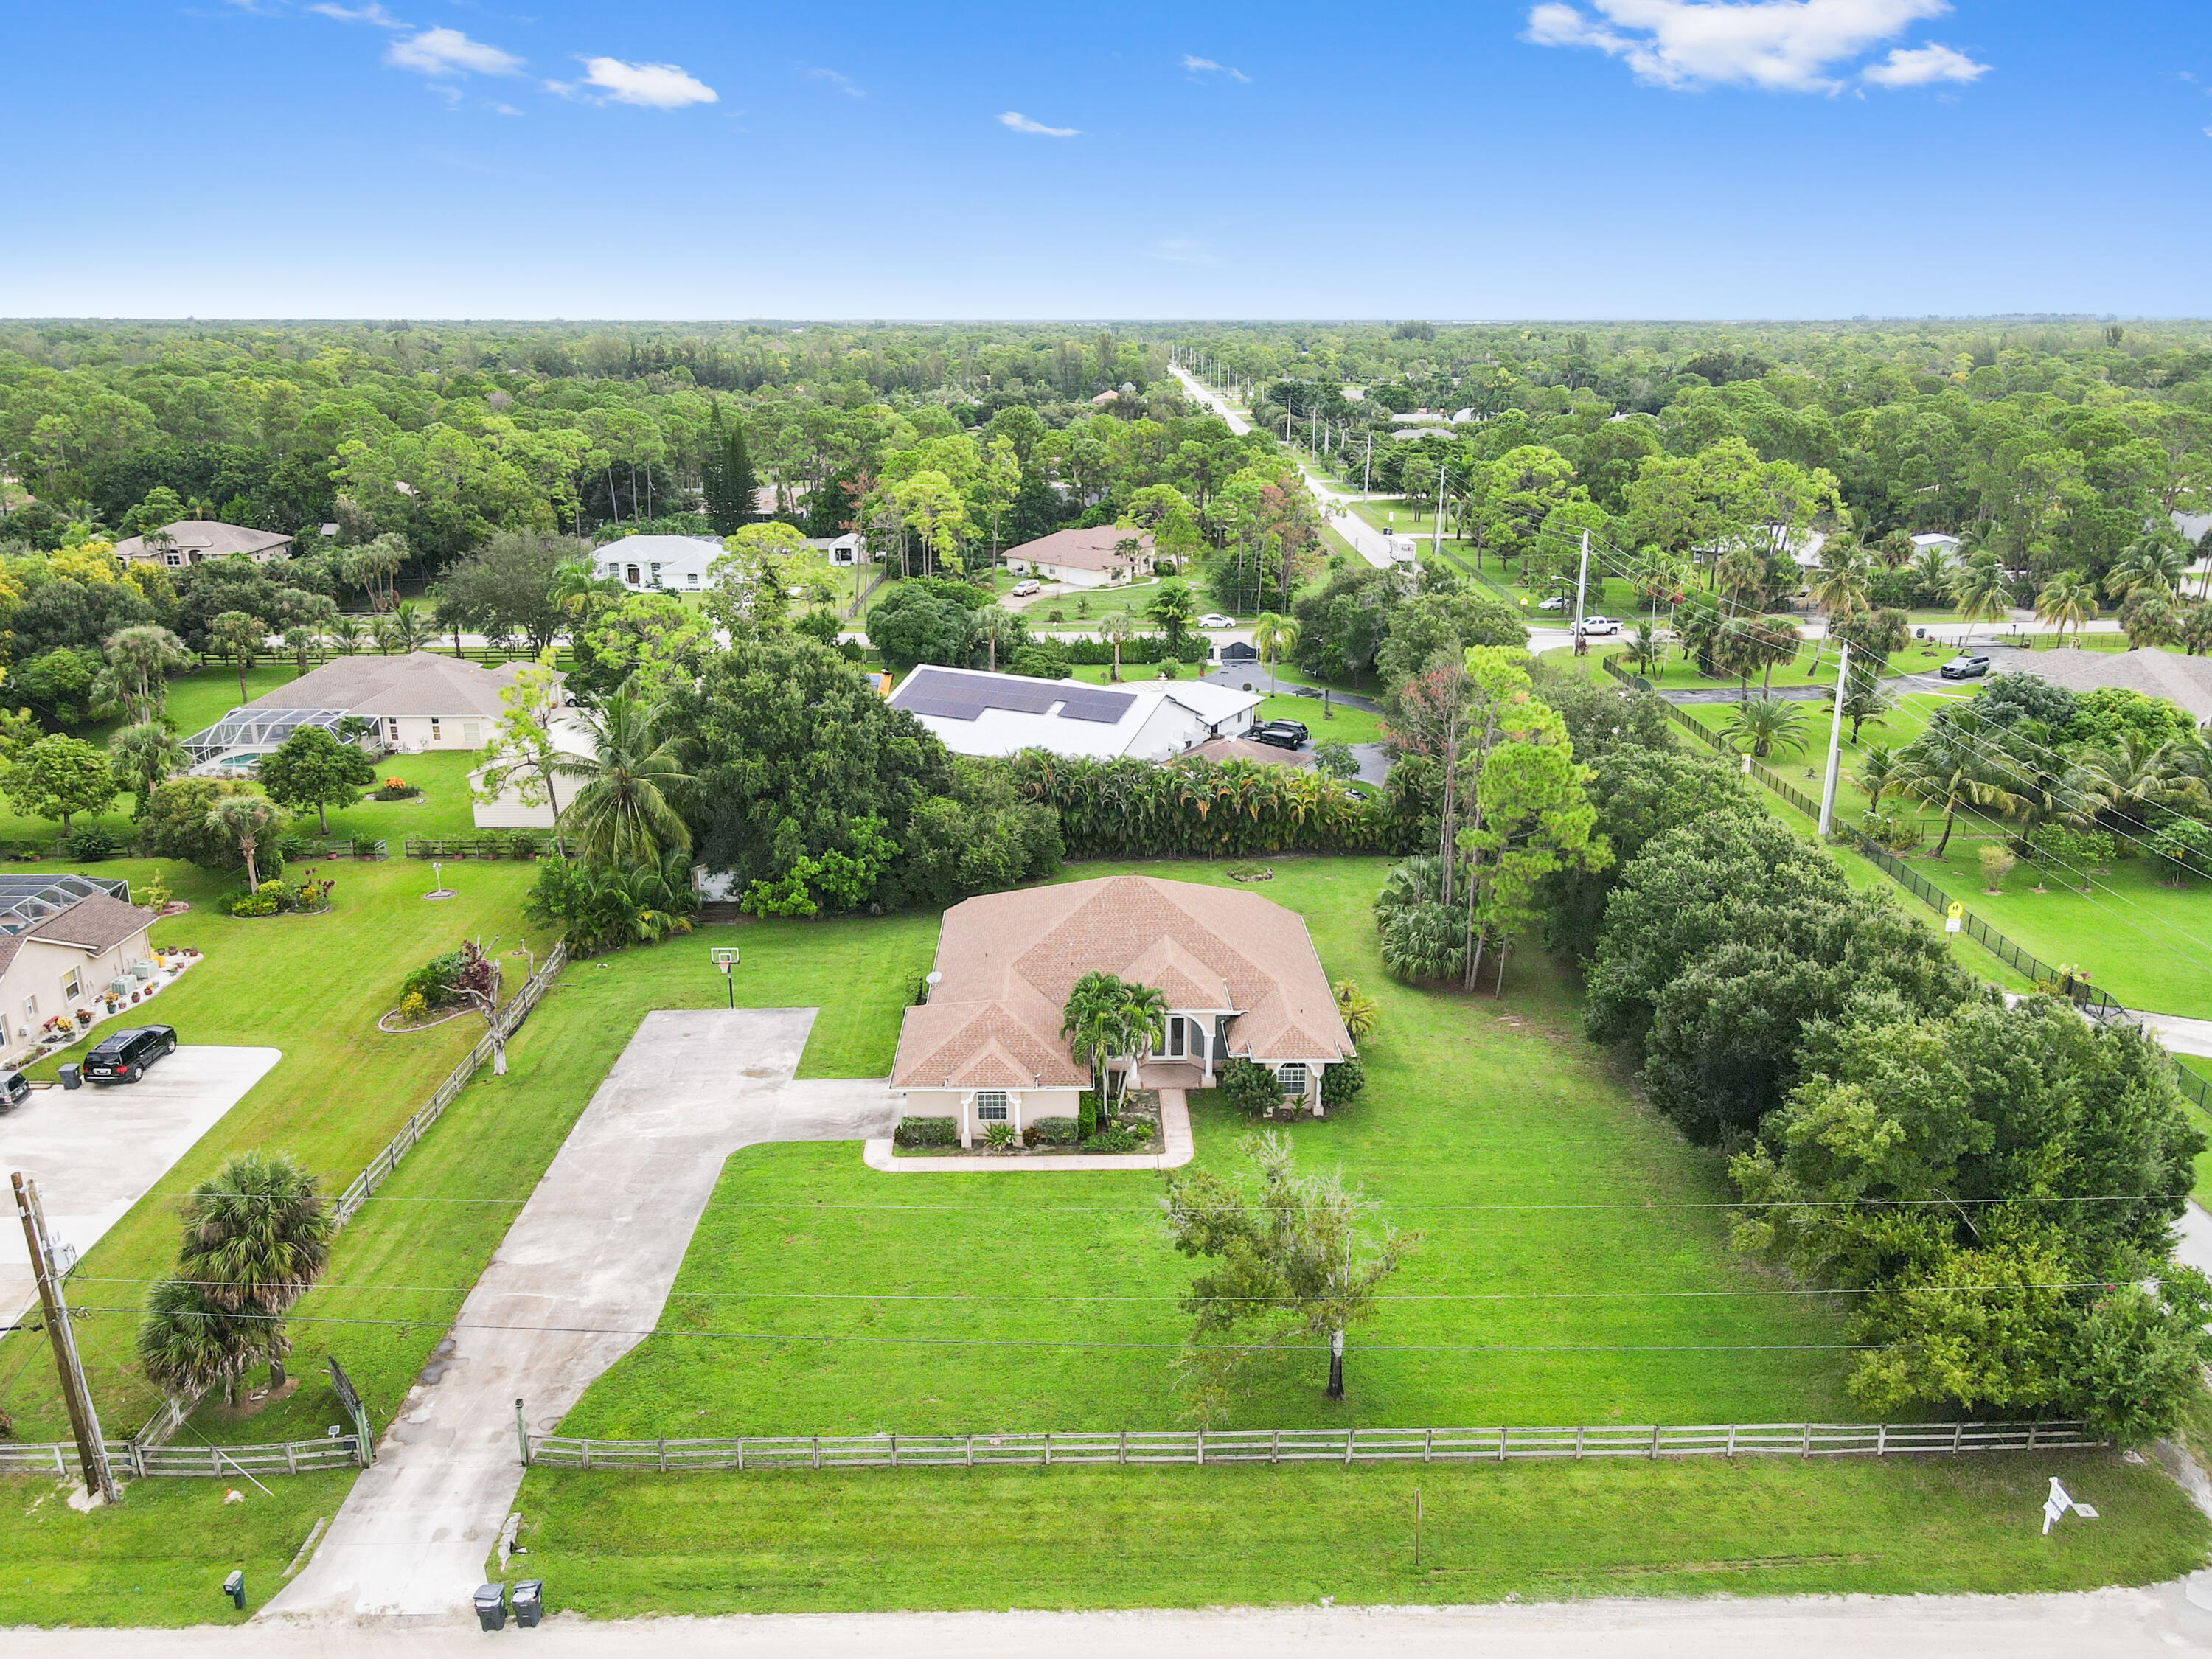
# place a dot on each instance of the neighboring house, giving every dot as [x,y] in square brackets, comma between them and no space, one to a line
[667,564]
[1239,975]
[1085,558]
[1947,545]
[2186,681]
[64,940]
[190,541]
[418,701]
[508,810]
[973,713]
[843,551]
[1239,652]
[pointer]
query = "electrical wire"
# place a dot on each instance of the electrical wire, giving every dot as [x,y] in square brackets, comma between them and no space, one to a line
[1651,1205]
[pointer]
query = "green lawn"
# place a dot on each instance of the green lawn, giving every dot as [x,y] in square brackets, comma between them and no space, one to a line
[628,1544]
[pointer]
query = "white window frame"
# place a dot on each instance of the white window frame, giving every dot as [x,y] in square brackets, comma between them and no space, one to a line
[472,733]
[31,1011]
[73,984]
[1305,1078]
[1178,1040]
[434,728]
[653,571]
[393,722]
[1003,1112]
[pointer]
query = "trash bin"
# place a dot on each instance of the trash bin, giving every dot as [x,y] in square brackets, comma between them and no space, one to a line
[529,1599]
[234,1588]
[491,1606]
[70,1077]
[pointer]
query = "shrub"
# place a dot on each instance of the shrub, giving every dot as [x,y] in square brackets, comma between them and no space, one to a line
[1000,1136]
[294,847]
[413,1009]
[396,789]
[1122,1137]
[1339,1083]
[1249,1087]
[2183,847]
[434,982]
[88,845]
[1892,832]
[1086,1115]
[1058,1131]
[926,1132]
[1997,865]
[265,900]
[1031,1135]
[1425,942]
[175,825]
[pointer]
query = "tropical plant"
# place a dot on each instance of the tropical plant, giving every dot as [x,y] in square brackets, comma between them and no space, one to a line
[1357,1009]
[1646,650]
[256,1235]
[1272,636]
[1117,628]
[1981,588]
[1768,725]
[142,758]
[140,660]
[2128,778]
[245,820]
[240,637]
[1425,943]
[1107,1019]
[601,906]
[1865,700]
[2154,561]
[1955,764]
[2065,601]
[633,782]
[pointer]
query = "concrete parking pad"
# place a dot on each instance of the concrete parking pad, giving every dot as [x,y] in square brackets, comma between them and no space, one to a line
[96,1151]
[579,1281]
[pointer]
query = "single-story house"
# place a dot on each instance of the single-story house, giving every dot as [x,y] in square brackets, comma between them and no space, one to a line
[657,564]
[1944,543]
[1239,973]
[1085,558]
[842,551]
[2182,680]
[418,701]
[190,541]
[973,713]
[508,810]
[63,941]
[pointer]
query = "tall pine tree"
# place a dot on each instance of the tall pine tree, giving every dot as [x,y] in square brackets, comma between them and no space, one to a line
[729,474]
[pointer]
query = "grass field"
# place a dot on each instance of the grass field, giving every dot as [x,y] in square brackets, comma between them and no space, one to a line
[623,1546]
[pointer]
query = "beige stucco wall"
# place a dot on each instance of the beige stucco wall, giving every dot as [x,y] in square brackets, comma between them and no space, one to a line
[1024,1107]
[39,970]
[412,734]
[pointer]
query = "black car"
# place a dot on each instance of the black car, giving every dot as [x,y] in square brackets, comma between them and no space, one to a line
[1965,665]
[123,1057]
[1284,734]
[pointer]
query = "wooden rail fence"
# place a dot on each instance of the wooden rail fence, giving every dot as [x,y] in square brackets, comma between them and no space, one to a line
[144,1463]
[1201,1447]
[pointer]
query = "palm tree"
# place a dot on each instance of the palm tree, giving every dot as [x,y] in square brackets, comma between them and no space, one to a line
[410,628]
[1980,589]
[347,633]
[257,1236]
[1086,1020]
[1117,628]
[240,637]
[1272,635]
[140,660]
[1931,570]
[1877,773]
[2153,562]
[1955,764]
[1864,700]
[1357,1009]
[187,1345]
[578,594]
[1646,650]
[2065,600]
[371,566]
[1771,725]
[245,819]
[1841,585]
[995,626]
[634,782]
[2129,778]
[144,757]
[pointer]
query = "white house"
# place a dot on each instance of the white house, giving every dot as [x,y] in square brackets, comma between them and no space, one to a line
[1085,558]
[844,551]
[1239,973]
[418,701]
[508,811]
[650,564]
[1947,545]
[973,713]
[65,940]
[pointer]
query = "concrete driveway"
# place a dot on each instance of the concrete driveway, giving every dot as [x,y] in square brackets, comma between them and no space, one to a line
[579,1279]
[96,1151]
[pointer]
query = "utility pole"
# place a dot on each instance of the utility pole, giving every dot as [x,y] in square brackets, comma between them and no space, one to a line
[1367,468]
[1582,583]
[84,1421]
[1835,745]
[1437,542]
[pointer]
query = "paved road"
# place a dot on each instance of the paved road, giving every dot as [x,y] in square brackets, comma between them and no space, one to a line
[2117,1624]
[598,1245]
[94,1153]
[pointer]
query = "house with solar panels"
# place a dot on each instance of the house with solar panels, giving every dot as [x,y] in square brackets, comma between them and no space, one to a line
[973,713]
[65,940]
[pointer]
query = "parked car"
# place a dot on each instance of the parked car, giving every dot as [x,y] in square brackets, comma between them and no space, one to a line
[1215,619]
[1600,625]
[1284,734]
[1023,588]
[1965,665]
[124,1056]
[1557,602]
[15,1090]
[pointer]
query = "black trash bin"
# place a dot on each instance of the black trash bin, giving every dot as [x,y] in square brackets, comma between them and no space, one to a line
[491,1606]
[234,1588]
[70,1077]
[529,1599]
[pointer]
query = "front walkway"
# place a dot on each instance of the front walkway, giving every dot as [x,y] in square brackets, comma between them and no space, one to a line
[579,1281]
[1175,1132]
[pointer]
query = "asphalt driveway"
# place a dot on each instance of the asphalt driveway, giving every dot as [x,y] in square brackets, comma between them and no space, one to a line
[579,1281]
[96,1151]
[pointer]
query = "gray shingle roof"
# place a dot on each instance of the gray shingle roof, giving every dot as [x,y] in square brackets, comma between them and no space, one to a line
[418,684]
[208,537]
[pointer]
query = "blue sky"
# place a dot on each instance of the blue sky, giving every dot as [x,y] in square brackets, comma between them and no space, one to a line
[1576,158]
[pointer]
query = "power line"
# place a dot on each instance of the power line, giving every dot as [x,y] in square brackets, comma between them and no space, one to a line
[1152,1209]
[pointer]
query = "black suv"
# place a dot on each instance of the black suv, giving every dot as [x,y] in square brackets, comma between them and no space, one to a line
[1284,734]
[124,1057]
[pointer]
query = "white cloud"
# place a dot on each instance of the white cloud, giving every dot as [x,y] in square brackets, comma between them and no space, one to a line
[1203,65]
[371,13]
[1021,122]
[449,51]
[830,77]
[1924,66]
[1781,45]
[650,86]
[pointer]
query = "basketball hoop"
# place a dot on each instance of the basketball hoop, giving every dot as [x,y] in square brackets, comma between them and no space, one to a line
[723,957]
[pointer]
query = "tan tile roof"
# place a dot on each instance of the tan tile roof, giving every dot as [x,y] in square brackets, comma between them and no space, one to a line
[209,537]
[1081,549]
[422,682]
[1007,962]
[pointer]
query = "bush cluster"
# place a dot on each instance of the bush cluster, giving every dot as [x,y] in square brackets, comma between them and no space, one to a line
[926,1132]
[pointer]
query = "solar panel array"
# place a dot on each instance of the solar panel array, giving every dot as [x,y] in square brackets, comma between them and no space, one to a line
[966,697]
